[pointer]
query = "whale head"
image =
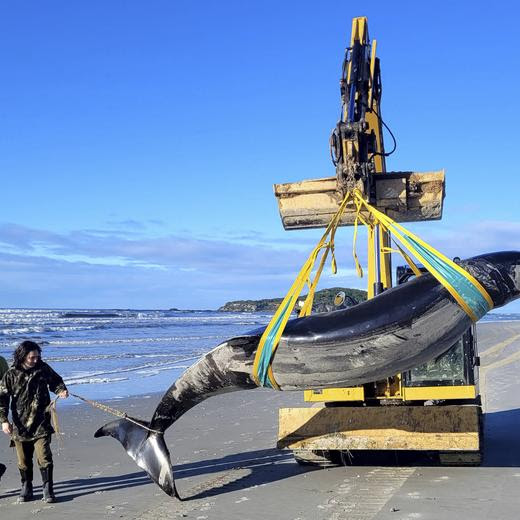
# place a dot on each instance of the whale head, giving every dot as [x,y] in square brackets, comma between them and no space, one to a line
[499,273]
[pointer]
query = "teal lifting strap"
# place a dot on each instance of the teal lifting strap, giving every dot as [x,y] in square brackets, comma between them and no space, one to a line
[464,288]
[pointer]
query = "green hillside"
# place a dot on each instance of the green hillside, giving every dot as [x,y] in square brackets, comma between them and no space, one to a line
[323,301]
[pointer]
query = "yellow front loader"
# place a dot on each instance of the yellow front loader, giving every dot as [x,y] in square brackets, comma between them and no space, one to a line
[434,408]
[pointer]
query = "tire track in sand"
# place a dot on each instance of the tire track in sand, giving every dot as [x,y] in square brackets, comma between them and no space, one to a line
[362,498]
[172,508]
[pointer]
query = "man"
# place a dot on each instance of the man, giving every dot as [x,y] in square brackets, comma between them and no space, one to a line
[26,386]
[4,367]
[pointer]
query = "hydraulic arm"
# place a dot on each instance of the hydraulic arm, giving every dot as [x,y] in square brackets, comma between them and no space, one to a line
[357,141]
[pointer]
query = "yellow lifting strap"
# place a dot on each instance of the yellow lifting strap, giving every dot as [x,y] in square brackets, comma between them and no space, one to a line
[466,290]
[262,371]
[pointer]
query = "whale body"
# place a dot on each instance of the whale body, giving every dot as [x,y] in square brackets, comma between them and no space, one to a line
[398,330]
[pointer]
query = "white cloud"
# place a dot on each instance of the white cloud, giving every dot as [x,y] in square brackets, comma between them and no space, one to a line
[122,268]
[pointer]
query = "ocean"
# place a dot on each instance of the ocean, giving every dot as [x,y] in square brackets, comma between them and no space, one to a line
[111,354]
[107,354]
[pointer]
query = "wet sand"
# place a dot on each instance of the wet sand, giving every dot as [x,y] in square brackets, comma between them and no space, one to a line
[227,467]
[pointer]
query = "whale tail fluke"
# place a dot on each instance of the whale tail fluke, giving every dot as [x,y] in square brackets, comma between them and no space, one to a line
[146,448]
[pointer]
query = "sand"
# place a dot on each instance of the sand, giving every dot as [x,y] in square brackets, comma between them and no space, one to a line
[227,467]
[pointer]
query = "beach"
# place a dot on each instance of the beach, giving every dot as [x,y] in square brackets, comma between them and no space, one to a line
[227,466]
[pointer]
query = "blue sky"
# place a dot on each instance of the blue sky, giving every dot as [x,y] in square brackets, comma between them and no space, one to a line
[139,141]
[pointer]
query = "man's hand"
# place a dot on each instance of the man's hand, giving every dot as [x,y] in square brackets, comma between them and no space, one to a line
[7,428]
[63,394]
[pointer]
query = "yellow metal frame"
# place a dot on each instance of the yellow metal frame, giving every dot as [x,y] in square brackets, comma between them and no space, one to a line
[372,262]
[412,393]
[379,265]
[360,33]
[381,269]
[354,393]
[452,428]
[425,393]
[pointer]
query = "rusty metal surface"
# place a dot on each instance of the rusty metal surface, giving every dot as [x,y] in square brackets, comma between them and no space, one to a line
[404,196]
[381,428]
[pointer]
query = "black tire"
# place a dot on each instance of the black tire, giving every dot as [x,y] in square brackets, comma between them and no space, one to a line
[318,458]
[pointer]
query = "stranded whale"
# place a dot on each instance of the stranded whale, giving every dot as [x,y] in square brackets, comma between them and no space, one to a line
[398,330]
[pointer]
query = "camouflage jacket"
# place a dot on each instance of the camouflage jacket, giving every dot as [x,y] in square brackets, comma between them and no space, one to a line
[4,367]
[28,392]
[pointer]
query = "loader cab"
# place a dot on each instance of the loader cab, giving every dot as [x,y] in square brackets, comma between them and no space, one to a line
[456,369]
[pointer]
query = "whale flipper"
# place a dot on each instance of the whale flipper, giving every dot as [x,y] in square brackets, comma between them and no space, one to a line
[146,448]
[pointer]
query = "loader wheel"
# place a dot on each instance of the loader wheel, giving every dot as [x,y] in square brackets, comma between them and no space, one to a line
[318,458]
[460,458]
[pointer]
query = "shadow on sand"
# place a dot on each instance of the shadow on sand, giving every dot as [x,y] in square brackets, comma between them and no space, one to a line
[68,490]
[501,449]
[255,468]
[261,466]
[501,438]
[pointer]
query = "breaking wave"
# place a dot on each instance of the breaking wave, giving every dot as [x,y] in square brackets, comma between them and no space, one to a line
[120,351]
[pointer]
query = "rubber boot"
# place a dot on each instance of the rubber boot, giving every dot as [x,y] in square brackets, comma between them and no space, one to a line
[48,485]
[26,491]
[2,469]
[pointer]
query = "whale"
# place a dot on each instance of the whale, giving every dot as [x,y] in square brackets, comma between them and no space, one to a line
[401,328]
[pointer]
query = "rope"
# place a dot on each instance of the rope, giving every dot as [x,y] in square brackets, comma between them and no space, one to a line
[116,413]
[51,408]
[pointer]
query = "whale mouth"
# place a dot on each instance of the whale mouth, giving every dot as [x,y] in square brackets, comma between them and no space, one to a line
[147,449]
